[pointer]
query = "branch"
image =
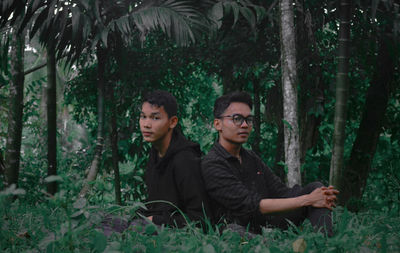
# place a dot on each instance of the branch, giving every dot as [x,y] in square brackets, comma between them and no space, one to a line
[26,72]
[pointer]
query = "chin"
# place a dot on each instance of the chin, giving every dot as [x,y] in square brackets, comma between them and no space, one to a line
[240,141]
[148,139]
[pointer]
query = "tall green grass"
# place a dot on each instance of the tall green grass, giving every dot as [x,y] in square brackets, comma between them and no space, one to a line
[61,224]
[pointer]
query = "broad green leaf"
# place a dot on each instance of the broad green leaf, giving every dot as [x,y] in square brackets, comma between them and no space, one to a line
[217,11]
[99,242]
[249,16]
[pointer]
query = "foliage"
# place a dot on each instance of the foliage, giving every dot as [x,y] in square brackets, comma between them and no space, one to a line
[63,223]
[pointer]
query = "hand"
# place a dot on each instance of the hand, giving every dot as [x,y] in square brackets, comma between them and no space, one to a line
[150,218]
[323,197]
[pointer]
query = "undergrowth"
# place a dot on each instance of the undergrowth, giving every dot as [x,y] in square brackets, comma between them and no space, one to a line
[63,224]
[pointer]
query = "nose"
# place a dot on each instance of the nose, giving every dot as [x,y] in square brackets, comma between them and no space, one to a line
[244,124]
[146,123]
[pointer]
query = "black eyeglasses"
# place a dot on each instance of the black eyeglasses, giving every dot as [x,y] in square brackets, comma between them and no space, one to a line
[238,119]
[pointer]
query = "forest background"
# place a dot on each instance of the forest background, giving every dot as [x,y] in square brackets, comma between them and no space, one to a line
[73,74]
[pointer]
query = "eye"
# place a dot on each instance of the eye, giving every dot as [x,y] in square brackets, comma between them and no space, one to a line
[142,116]
[237,118]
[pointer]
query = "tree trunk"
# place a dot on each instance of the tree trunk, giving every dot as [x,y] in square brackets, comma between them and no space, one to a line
[280,153]
[227,79]
[311,97]
[356,172]
[94,167]
[51,118]
[257,115]
[1,163]
[13,145]
[341,94]
[274,114]
[114,147]
[289,91]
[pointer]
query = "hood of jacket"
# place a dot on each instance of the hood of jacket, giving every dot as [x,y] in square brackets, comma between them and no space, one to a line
[178,143]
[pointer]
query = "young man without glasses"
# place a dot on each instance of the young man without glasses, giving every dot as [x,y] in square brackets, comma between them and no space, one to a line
[173,173]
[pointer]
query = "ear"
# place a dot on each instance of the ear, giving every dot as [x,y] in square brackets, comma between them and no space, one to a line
[173,121]
[218,124]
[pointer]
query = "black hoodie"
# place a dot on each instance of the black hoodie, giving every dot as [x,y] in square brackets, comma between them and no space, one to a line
[176,178]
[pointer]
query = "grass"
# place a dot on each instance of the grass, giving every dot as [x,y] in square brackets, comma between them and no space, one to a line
[61,224]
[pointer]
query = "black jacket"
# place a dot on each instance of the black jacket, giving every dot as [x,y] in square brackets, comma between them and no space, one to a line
[176,178]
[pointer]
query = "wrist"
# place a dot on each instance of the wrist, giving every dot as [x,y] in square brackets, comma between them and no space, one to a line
[305,200]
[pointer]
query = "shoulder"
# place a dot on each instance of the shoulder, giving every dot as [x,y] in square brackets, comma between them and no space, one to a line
[186,158]
[212,157]
[253,155]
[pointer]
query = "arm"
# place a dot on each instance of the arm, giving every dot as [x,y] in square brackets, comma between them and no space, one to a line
[227,189]
[323,197]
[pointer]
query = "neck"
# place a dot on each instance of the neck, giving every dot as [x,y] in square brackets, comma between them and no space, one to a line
[162,145]
[232,148]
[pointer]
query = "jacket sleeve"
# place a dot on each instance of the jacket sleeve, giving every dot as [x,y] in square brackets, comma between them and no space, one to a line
[193,200]
[228,190]
[190,185]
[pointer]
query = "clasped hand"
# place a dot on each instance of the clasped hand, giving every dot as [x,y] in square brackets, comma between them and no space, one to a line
[324,197]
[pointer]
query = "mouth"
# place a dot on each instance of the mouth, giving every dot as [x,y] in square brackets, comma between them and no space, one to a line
[147,134]
[244,134]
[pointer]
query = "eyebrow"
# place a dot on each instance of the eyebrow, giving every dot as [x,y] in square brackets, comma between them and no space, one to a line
[152,114]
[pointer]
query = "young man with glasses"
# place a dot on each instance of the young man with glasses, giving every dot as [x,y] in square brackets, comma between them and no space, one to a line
[243,190]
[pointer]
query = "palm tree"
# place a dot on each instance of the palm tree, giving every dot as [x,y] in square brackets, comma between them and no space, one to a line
[13,146]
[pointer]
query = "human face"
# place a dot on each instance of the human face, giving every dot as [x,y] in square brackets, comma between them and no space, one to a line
[228,130]
[155,124]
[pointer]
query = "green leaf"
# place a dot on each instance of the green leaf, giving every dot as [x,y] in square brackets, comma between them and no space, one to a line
[217,11]
[287,124]
[53,178]
[80,203]
[235,9]
[150,229]
[77,214]
[249,16]
[299,245]
[104,35]
[99,242]
[208,248]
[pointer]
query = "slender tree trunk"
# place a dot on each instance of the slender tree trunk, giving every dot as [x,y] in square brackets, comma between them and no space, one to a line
[114,147]
[13,145]
[257,115]
[274,114]
[311,97]
[51,118]
[227,79]
[1,162]
[94,167]
[289,90]
[280,153]
[356,172]
[342,88]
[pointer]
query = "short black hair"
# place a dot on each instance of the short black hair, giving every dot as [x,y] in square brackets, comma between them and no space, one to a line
[224,101]
[162,98]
